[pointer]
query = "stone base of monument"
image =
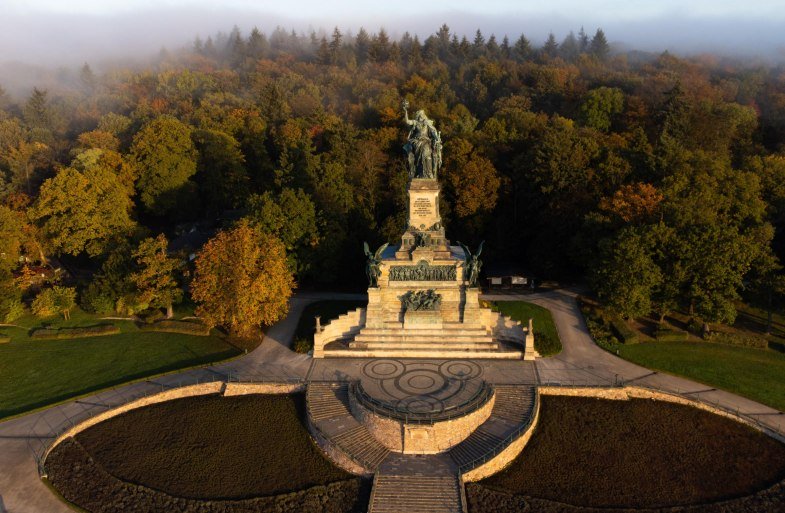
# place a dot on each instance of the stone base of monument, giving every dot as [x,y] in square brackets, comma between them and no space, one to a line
[434,416]
[429,319]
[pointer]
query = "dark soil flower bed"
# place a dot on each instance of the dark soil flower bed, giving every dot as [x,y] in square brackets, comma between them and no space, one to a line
[636,455]
[205,454]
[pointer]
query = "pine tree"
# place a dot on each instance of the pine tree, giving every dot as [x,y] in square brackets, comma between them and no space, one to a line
[599,45]
[522,49]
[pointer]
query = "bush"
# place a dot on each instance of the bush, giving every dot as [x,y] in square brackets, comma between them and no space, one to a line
[302,346]
[671,335]
[182,327]
[4,339]
[12,309]
[100,330]
[152,315]
[738,339]
[50,302]
[623,332]
[45,304]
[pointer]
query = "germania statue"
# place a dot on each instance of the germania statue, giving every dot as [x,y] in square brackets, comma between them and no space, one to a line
[424,147]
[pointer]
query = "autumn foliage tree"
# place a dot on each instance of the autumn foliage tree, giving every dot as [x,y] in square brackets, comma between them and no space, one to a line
[242,280]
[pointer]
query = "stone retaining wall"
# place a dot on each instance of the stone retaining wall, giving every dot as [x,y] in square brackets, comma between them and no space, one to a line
[262,388]
[440,436]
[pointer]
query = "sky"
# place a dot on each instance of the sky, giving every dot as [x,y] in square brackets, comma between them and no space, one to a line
[57,33]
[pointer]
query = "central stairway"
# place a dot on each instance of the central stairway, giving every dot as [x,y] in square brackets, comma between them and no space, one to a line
[416,484]
[455,336]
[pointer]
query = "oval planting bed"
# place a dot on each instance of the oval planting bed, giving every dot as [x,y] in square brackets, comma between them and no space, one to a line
[593,455]
[204,454]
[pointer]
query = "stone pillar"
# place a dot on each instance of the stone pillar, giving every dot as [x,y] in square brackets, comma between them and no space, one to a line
[374,316]
[471,307]
[529,353]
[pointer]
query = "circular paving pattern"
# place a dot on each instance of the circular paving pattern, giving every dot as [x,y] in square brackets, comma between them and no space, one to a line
[422,387]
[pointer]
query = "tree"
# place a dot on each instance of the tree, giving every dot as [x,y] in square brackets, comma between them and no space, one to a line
[600,106]
[551,48]
[166,158]
[473,180]
[111,289]
[599,45]
[55,300]
[221,175]
[83,211]
[627,274]
[155,277]
[291,217]
[242,281]
[11,238]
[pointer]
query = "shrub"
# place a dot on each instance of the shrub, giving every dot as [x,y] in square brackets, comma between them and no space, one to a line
[302,345]
[182,327]
[670,335]
[152,315]
[4,339]
[45,304]
[50,302]
[545,343]
[738,339]
[12,309]
[623,332]
[100,330]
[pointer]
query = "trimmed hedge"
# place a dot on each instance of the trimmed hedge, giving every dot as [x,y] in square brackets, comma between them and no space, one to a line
[623,332]
[777,346]
[182,327]
[736,339]
[100,330]
[671,335]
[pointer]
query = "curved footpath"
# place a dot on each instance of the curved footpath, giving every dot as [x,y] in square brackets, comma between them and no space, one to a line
[581,361]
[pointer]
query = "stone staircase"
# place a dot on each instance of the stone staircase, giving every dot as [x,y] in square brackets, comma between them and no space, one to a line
[416,484]
[328,410]
[453,336]
[512,409]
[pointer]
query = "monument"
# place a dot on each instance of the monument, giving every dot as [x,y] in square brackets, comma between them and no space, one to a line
[423,295]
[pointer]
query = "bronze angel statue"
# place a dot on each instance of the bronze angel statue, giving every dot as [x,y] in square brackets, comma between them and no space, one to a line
[372,270]
[424,146]
[472,263]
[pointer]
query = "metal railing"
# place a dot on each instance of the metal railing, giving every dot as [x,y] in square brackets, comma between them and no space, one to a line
[479,399]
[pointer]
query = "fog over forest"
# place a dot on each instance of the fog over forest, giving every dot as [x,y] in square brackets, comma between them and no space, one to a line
[40,48]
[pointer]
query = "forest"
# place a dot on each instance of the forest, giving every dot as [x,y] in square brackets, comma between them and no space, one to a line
[657,180]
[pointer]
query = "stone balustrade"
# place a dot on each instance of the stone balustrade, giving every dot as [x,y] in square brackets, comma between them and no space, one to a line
[344,327]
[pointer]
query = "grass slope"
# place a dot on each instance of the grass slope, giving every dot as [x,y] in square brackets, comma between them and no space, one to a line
[637,454]
[36,373]
[758,374]
[546,338]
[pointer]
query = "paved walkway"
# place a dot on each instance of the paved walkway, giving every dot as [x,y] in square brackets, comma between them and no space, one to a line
[581,361]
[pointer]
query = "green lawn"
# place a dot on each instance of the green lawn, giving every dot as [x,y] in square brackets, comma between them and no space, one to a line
[36,373]
[758,374]
[328,310]
[546,338]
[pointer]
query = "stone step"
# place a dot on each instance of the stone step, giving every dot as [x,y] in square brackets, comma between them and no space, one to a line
[327,401]
[472,337]
[415,494]
[452,329]
[477,445]
[328,408]
[499,354]
[446,346]
[511,411]
[358,442]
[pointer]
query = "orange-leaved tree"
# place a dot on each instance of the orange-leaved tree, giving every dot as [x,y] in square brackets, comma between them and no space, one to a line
[242,280]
